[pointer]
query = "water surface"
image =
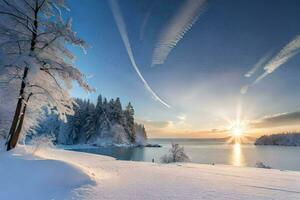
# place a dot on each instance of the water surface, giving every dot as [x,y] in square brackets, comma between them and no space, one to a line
[211,151]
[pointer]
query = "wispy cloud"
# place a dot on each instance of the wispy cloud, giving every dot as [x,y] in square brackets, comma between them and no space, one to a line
[145,21]
[281,119]
[179,25]
[261,62]
[144,24]
[123,32]
[284,55]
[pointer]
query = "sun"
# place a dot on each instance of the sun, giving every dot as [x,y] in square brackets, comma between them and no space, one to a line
[237,128]
[236,131]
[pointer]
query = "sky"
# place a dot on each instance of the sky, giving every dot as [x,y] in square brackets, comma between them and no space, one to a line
[208,65]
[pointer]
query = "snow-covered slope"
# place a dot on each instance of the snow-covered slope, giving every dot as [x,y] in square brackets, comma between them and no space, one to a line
[75,175]
[23,176]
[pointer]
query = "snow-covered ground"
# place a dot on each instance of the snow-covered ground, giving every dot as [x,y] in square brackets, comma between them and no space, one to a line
[60,174]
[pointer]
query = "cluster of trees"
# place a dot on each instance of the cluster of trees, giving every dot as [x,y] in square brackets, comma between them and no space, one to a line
[105,122]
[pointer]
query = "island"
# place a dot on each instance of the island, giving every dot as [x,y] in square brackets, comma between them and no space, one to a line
[283,139]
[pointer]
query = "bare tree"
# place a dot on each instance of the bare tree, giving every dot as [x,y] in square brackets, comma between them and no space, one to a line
[176,154]
[36,61]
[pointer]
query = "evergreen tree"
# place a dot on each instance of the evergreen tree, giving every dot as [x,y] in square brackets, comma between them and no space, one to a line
[99,105]
[89,126]
[118,112]
[129,122]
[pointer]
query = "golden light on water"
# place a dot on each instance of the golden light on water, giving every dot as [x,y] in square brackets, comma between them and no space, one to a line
[237,155]
[236,130]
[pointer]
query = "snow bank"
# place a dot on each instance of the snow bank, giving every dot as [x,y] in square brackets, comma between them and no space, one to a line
[76,175]
[24,176]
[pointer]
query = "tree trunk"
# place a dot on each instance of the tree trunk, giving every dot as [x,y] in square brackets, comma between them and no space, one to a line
[15,137]
[17,123]
[18,111]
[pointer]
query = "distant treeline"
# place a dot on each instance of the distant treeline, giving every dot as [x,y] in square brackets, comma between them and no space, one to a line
[283,139]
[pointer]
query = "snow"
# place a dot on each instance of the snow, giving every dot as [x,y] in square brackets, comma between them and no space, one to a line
[60,174]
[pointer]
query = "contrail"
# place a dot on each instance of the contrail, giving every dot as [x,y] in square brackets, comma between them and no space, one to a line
[258,65]
[284,55]
[180,24]
[122,29]
[290,50]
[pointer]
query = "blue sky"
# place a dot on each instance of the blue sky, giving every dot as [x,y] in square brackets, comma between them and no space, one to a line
[202,76]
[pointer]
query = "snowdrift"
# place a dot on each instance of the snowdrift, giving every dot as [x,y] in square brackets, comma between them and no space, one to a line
[24,176]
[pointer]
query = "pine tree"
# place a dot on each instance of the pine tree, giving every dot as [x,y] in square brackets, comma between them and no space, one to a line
[89,121]
[129,122]
[118,112]
[99,105]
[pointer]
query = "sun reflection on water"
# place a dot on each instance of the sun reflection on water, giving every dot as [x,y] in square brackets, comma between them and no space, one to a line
[237,155]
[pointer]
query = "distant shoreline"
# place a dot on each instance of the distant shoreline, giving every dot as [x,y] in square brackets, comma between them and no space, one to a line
[283,139]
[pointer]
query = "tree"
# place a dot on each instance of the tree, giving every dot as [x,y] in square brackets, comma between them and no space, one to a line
[89,126]
[140,134]
[118,112]
[114,111]
[129,122]
[99,105]
[176,154]
[33,38]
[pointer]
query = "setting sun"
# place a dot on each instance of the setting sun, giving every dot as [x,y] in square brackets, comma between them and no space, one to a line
[237,131]
[237,128]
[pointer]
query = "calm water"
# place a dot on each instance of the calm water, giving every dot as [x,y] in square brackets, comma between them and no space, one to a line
[211,151]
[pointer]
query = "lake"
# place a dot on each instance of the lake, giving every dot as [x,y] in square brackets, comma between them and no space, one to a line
[208,151]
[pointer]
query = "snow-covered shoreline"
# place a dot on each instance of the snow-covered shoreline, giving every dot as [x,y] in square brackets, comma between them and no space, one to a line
[60,174]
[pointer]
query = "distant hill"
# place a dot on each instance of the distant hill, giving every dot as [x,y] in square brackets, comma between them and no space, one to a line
[283,139]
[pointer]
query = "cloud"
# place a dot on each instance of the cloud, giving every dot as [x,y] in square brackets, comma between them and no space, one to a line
[281,119]
[244,89]
[144,24]
[123,32]
[179,25]
[145,21]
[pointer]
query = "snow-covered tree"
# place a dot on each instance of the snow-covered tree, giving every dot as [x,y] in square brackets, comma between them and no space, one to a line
[114,111]
[129,122]
[140,134]
[99,106]
[35,60]
[89,127]
[176,154]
